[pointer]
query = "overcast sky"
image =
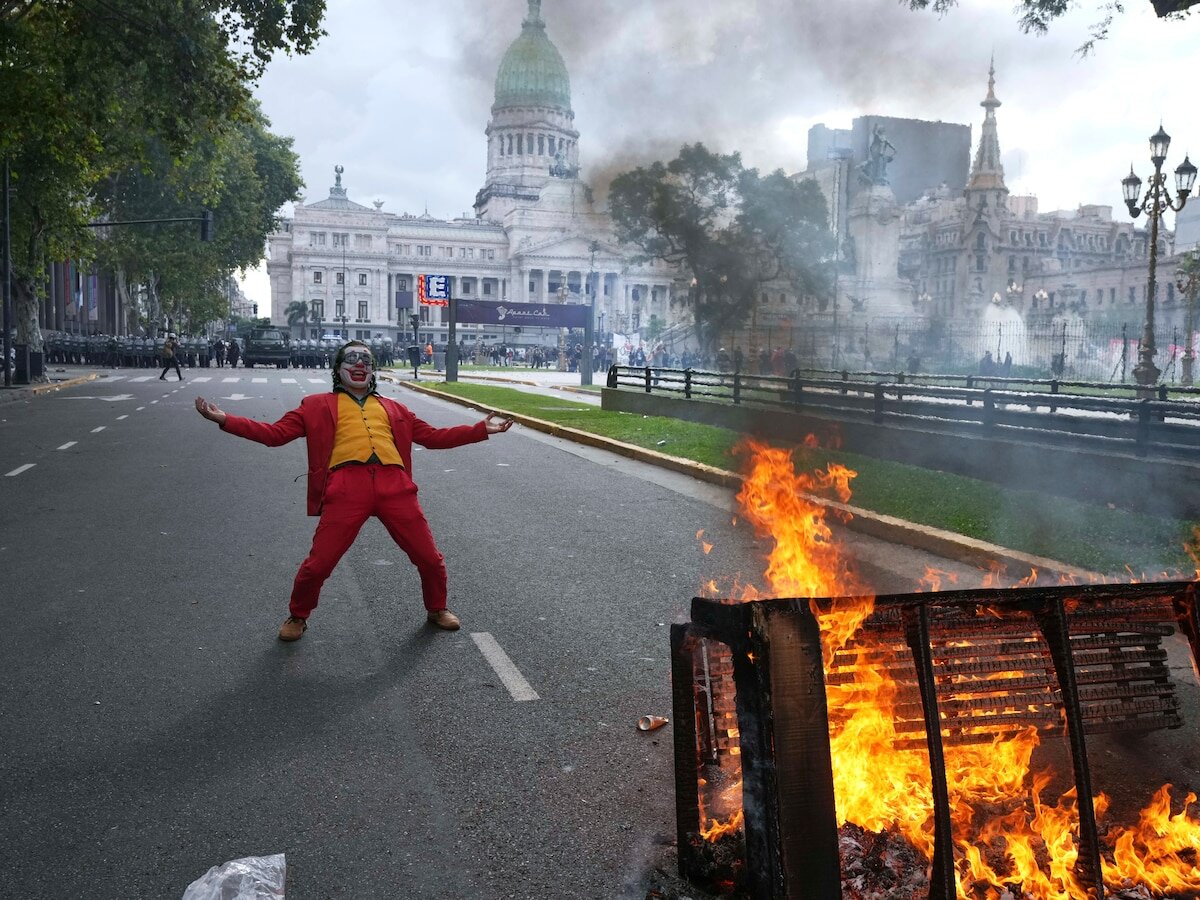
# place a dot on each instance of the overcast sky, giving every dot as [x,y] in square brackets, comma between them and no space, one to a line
[399,91]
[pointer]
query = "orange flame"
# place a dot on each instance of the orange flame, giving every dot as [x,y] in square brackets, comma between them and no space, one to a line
[1005,834]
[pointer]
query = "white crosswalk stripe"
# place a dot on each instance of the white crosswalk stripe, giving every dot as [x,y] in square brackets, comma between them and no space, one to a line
[201,379]
[114,377]
[258,380]
[144,378]
[288,381]
[316,381]
[230,380]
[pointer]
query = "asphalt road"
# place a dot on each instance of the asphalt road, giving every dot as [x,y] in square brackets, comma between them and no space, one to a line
[151,725]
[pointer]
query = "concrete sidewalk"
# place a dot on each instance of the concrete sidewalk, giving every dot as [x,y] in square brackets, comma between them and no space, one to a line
[60,377]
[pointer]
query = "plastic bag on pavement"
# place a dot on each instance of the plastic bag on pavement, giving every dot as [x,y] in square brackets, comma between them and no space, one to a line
[252,878]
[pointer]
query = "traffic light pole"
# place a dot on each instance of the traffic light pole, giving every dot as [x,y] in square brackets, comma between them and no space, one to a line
[452,347]
[8,374]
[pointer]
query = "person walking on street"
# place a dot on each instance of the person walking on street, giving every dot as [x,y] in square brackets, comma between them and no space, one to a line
[359,465]
[170,355]
[234,352]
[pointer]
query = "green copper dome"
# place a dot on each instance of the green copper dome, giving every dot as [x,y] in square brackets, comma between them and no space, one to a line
[532,72]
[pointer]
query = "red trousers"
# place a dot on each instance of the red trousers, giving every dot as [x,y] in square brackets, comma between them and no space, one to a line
[352,495]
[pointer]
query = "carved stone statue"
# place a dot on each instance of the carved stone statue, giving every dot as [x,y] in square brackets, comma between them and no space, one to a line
[881,152]
[560,169]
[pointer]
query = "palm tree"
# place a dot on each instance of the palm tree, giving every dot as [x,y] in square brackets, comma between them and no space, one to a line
[297,313]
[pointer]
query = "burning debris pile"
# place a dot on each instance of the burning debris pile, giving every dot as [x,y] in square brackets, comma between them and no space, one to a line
[841,785]
[880,865]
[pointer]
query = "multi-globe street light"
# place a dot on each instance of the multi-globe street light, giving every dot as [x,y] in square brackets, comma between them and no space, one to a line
[1188,281]
[1155,204]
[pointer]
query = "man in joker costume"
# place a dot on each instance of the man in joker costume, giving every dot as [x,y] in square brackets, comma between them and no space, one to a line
[359,465]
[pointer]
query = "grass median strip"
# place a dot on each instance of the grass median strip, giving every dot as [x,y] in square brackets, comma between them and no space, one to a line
[1085,535]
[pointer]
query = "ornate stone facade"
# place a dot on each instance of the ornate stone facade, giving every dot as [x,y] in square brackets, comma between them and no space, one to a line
[967,251]
[536,236]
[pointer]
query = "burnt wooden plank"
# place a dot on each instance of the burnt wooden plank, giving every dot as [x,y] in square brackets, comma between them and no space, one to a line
[787,650]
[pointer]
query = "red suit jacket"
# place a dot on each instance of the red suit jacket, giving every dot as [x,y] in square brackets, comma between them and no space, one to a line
[316,420]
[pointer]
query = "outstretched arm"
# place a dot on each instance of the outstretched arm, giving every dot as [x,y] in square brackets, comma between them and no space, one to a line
[210,411]
[497,424]
[290,427]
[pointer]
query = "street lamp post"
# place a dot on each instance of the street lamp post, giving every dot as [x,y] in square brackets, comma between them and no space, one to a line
[562,356]
[1155,204]
[1188,281]
[345,335]
[586,363]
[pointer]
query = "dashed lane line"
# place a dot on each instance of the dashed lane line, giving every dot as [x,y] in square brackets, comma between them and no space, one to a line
[119,418]
[19,469]
[67,446]
[99,429]
[508,673]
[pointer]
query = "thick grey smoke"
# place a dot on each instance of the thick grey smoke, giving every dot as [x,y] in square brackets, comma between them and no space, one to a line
[649,77]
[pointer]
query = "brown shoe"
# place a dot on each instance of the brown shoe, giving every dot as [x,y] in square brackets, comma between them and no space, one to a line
[444,619]
[293,628]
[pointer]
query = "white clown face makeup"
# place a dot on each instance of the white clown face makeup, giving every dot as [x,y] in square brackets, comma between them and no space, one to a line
[357,369]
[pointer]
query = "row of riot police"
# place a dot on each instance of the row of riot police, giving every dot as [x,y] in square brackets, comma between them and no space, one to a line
[313,354]
[126,352]
[146,352]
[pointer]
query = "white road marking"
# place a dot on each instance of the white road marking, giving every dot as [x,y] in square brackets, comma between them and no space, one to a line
[202,379]
[152,402]
[19,469]
[144,378]
[517,686]
[119,418]
[258,380]
[230,380]
[113,397]
[139,409]
[67,446]
[235,397]
[114,377]
[286,381]
[317,380]
[99,429]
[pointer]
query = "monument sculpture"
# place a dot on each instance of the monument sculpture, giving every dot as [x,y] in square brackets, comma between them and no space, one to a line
[874,230]
[873,170]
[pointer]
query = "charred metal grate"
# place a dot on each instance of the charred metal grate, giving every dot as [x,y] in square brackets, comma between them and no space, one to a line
[1067,660]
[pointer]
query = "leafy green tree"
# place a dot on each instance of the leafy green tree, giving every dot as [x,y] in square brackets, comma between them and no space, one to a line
[1037,15]
[244,174]
[728,229]
[297,314]
[89,88]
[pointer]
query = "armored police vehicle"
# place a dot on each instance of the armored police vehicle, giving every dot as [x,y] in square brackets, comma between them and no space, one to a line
[268,346]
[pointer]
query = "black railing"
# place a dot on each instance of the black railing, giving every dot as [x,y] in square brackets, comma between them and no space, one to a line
[1043,409]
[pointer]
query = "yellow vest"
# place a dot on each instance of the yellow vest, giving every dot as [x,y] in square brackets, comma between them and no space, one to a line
[363,433]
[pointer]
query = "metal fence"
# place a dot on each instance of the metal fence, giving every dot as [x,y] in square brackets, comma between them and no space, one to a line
[1069,348]
[978,406]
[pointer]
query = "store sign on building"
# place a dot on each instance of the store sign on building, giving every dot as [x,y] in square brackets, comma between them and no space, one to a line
[433,290]
[527,314]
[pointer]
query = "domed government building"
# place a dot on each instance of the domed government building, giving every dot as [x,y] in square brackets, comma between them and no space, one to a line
[535,237]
